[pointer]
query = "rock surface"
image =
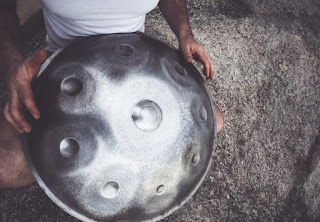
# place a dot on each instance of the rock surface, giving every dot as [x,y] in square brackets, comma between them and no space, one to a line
[266,166]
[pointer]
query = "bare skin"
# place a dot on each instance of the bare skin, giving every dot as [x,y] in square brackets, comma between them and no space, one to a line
[20,93]
[19,72]
[175,12]
[14,171]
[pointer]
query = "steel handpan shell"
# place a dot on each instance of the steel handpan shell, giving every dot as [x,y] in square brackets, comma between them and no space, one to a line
[90,152]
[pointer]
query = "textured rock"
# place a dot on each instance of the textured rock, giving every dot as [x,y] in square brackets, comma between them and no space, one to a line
[266,166]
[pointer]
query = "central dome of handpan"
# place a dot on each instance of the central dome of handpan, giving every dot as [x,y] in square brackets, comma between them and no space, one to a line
[127,129]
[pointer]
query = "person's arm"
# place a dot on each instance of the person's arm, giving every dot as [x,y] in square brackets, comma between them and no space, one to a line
[18,71]
[8,35]
[175,12]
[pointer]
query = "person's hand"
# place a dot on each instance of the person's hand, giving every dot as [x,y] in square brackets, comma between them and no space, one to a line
[20,92]
[191,49]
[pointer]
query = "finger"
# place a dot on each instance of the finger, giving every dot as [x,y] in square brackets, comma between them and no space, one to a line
[8,117]
[43,54]
[206,66]
[211,71]
[204,59]
[26,96]
[34,62]
[17,116]
[186,51]
[39,57]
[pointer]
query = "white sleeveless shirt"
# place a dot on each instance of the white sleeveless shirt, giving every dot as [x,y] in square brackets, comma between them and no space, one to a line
[68,19]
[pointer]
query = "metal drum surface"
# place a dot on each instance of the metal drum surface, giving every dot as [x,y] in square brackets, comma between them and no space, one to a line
[127,129]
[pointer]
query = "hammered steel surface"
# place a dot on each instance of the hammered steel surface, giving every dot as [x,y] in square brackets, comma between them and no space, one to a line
[127,129]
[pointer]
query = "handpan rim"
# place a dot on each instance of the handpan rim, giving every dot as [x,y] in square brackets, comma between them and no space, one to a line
[74,212]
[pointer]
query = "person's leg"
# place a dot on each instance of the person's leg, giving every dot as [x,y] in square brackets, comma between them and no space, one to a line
[14,171]
[219,119]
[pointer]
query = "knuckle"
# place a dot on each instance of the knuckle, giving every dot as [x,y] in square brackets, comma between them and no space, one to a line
[24,93]
[24,86]
[28,103]
[14,111]
[12,86]
[186,52]
[13,108]
[17,117]
[201,49]
[17,87]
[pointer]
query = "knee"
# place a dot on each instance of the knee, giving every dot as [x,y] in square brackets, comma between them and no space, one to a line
[219,119]
[14,171]
[9,137]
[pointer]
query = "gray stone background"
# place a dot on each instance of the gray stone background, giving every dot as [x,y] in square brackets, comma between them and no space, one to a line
[266,166]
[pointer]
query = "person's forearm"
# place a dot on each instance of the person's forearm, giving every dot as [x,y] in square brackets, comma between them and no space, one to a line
[9,53]
[175,12]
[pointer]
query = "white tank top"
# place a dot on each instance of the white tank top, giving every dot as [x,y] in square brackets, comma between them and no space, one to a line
[68,19]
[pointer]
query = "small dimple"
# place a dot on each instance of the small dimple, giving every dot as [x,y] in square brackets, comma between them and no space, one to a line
[161,189]
[203,113]
[125,50]
[71,86]
[180,69]
[147,115]
[110,190]
[195,159]
[69,147]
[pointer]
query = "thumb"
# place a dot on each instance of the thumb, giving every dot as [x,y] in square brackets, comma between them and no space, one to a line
[186,51]
[33,63]
[39,57]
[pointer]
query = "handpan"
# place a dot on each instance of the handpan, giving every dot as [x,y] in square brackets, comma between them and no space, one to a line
[127,129]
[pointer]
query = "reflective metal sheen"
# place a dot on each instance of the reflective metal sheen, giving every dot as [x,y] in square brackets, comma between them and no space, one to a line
[127,129]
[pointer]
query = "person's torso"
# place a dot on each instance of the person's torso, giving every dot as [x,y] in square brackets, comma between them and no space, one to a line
[67,19]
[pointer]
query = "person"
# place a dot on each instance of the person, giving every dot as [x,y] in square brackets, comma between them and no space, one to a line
[66,21]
